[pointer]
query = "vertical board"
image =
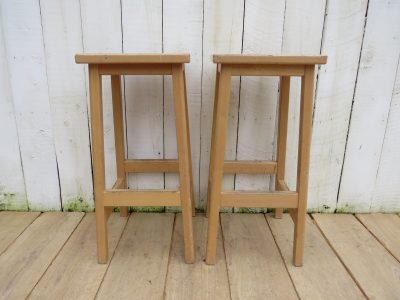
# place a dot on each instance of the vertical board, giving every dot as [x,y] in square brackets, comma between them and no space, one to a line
[301,36]
[12,185]
[142,32]
[223,29]
[62,35]
[343,33]
[101,30]
[188,38]
[26,60]
[372,98]
[386,195]
[263,30]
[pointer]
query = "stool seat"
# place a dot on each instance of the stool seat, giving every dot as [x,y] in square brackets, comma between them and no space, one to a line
[129,58]
[268,59]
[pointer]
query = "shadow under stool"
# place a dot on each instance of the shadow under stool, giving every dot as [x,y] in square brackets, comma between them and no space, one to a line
[116,65]
[296,201]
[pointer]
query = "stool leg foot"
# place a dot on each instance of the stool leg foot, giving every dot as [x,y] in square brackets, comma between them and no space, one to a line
[102,239]
[278,213]
[123,211]
[213,221]
[298,242]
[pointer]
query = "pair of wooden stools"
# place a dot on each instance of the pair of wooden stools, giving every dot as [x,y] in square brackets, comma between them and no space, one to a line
[227,66]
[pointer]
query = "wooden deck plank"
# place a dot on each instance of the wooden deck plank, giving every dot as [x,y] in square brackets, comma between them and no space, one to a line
[209,282]
[386,228]
[25,261]
[12,224]
[314,280]
[255,267]
[139,266]
[376,271]
[75,273]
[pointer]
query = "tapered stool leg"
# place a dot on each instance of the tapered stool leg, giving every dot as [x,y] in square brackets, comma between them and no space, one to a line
[190,150]
[96,110]
[119,134]
[182,137]
[221,123]
[210,168]
[307,88]
[282,134]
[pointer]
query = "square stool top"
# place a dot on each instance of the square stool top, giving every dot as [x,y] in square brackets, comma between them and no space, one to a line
[252,59]
[132,58]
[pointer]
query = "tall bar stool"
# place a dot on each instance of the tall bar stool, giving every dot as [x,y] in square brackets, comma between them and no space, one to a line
[106,199]
[295,201]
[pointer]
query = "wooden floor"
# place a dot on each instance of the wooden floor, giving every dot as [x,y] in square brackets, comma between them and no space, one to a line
[53,256]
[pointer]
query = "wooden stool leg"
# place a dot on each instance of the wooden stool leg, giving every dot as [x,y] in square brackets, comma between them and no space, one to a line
[217,154]
[282,134]
[307,88]
[119,134]
[210,168]
[190,149]
[96,109]
[182,137]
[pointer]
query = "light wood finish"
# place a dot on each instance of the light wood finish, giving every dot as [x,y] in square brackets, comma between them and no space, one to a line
[282,135]
[217,161]
[306,110]
[255,267]
[196,281]
[189,148]
[139,69]
[97,129]
[248,65]
[119,133]
[249,167]
[386,228]
[75,273]
[119,195]
[184,157]
[267,70]
[12,224]
[375,270]
[136,58]
[139,266]
[314,280]
[259,199]
[212,144]
[142,198]
[151,165]
[25,261]
[269,59]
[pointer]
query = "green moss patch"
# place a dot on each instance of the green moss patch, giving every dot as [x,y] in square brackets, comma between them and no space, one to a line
[77,204]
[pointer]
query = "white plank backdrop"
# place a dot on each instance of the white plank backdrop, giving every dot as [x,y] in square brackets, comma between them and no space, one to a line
[45,158]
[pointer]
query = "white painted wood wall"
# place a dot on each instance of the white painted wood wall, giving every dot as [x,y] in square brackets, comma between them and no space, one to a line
[45,161]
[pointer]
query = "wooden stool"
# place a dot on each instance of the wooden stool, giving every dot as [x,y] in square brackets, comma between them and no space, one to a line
[106,199]
[254,65]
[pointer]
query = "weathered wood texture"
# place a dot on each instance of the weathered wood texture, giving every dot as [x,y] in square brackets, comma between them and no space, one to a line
[75,273]
[386,228]
[44,131]
[320,262]
[25,261]
[139,266]
[344,259]
[255,267]
[12,224]
[198,280]
[375,270]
